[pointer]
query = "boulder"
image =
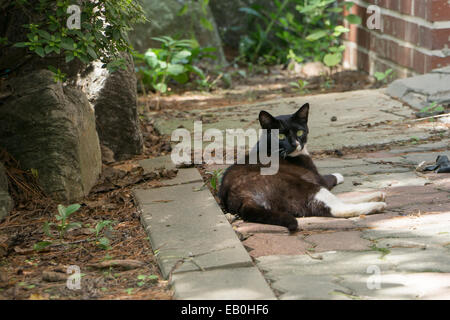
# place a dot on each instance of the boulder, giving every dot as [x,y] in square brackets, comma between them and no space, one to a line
[50,127]
[6,203]
[165,20]
[114,99]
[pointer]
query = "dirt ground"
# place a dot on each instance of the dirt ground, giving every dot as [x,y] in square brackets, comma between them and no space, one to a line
[126,267]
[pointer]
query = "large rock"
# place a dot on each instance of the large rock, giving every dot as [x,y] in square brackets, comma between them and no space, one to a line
[6,203]
[164,20]
[50,127]
[114,99]
[421,91]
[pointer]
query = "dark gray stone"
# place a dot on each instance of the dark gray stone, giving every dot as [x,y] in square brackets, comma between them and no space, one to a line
[164,21]
[420,91]
[6,203]
[50,127]
[114,99]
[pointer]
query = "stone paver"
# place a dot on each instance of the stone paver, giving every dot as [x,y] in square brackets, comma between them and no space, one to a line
[402,253]
[222,284]
[363,118]
[194,242]
[421,91]
[331,258]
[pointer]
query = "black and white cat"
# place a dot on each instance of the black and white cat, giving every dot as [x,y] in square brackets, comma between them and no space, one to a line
[297,190]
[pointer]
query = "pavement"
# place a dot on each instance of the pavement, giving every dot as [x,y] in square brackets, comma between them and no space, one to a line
[402,253]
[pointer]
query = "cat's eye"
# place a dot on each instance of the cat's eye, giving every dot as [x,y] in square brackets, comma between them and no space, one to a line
[281,136]
[299,133]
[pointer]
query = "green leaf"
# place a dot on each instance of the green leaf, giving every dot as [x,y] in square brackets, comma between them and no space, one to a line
[206,24]
[353,19]
[316,35]
[252,12]
[44,34]
[332,59]
[69,57]
[46,229]
[71,209]
[151,58]
[68,44]
[161,87]
[73,225]
[175,69]
[103,243]
[183,10]
[21,45]
[41,245]
[181,56]
[92,53]
[40,51]
[338,30]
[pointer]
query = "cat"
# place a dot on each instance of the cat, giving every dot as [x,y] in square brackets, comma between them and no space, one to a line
[297,189]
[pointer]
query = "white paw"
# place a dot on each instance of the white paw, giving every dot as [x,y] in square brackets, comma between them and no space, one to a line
[339,178]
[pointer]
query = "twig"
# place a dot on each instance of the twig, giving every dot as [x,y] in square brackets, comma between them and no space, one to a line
[432,117]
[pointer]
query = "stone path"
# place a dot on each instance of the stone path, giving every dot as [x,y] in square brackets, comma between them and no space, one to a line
[366,117]
[402,253]
[195,245]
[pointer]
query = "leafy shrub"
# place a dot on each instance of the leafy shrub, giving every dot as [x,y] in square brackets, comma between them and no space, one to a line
[103,32]
[311,32]
[175,60]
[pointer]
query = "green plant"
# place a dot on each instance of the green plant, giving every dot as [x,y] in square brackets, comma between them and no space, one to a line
[102,34]
[216,178]
[300,85]
[175,60]
[146,278]
[384,77]
[310,32]
[62,227]
[103,242]
[433,108]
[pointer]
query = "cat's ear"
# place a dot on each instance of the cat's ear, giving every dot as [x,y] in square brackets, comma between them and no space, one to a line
[267,121]
[302,114]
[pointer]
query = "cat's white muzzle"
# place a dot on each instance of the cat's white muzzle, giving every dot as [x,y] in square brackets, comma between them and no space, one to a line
[299,151]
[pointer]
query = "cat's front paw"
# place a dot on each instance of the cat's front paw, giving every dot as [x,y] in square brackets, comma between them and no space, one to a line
[339,178]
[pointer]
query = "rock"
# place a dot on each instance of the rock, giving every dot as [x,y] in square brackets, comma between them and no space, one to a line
[114,99]
[314,69]
[50,127]
[165,20]
[421,91]
[6,203]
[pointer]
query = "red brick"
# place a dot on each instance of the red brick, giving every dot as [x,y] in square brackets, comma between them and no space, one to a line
[421,8]
[438,62]
[439,10]
[406,7]
[425,39]
[441,38]
[405,57]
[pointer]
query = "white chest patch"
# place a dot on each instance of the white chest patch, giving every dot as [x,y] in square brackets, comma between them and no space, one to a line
[299,151]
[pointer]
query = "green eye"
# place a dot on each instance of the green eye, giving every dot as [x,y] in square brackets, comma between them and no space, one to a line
[281,136]
[299,133]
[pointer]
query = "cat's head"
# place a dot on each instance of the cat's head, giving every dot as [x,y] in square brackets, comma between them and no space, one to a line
[293,131]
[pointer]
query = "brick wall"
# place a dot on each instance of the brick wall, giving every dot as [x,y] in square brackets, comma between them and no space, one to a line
[414,37]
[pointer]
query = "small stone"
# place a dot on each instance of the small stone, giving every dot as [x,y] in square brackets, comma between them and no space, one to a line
[333,118]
